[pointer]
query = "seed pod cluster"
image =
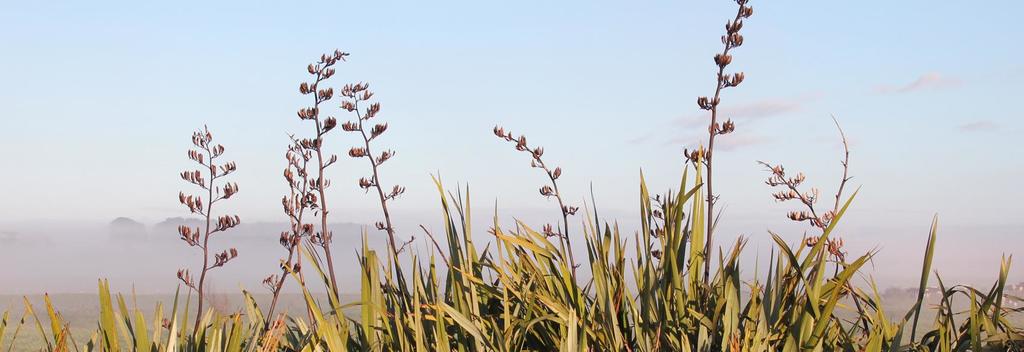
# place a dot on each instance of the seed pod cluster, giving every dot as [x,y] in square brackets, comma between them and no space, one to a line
[186,278]
[696,156]
[224,257]
[189,235]
[834,246]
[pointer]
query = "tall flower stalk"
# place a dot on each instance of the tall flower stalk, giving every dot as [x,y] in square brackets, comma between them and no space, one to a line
[355,94]
[206,155]
[299,199]
[731,40]
[790,191]
[548,190]
[321,71]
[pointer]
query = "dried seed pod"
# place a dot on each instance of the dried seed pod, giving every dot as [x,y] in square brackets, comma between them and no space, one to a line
[714,128]
[695,156]
[733,27]
[372,111]
[746,11]
[396,191]
[723,60]
[384,156]
[325,94]
[704,103]
[735,40]
[811,241]
[348,106]
[569,210]
[727,127]
[521,144]
[285,239]
[548,231]
[329,124]
[364,183]
[378,130]
[547,191]
[538,152]
[357,152]
[269,281]
[227,221]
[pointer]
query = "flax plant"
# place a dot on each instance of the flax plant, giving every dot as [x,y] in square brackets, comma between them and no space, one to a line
[650,290]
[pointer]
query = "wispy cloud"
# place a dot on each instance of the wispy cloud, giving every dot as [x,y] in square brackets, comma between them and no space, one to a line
[978,126]
[737,142]
[691,129]
[733,142]
[695,126]
[748,112]
[931,80]
[641,138]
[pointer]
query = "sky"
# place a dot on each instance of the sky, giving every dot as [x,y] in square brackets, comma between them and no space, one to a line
[98,101]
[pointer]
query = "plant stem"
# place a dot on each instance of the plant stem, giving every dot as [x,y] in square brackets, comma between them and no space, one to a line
[206,238]
[565,221]
[325,234]
[376,182]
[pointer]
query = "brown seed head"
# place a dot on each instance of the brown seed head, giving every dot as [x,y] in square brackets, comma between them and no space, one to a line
[357,152]
[365,183]
[384,156]
[547,191]
[746,11]
[378,130]
[350,126]
[348,106]
[723,60]
[372,111]
[329,124]
[569,210]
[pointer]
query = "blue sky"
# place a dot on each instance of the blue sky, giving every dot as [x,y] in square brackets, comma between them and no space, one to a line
[98,101]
